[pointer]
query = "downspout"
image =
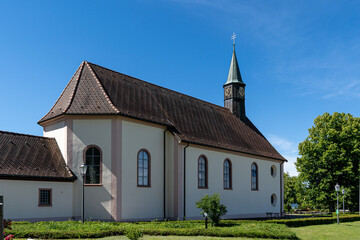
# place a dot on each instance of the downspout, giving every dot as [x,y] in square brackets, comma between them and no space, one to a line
[165,173]
[185,180]
[281,187]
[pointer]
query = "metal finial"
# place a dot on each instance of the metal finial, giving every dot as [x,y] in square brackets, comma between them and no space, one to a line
[233,38]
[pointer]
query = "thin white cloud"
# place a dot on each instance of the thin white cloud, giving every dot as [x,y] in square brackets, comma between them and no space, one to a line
[346,89]
[282,144]
[289,166]
[288,150]
[256,18]
[304,61]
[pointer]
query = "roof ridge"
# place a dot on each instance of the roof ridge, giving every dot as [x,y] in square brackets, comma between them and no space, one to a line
[25,135]
[62,93]
[102,88]
[81,68]
[167,89]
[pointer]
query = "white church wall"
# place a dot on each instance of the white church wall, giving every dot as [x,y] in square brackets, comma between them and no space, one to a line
[241,201]
[59,132]
[141,202]
[97,198]
[21,200]
[170,178]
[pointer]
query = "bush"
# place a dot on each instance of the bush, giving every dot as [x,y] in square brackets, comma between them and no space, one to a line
[7,225]
[301,222]
[73,229]
[212,206]
[134,234]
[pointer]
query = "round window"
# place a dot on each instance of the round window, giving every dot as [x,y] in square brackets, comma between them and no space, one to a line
[273,171]
[273,199]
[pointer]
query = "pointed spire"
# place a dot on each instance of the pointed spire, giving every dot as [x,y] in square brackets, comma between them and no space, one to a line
[234,71]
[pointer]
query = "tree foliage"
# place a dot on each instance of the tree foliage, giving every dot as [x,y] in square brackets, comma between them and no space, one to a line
[290,191]
[330,155]
[212,206]
[295,191]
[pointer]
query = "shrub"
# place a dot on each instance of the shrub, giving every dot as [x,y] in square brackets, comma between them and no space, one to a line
[212,206]
[9,237]
[74,229]
[134,234]
[7,225]
[301,222]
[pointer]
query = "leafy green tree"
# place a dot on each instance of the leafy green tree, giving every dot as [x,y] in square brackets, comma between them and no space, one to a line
[296,191]
[330,155]
[289,191]
[212,206]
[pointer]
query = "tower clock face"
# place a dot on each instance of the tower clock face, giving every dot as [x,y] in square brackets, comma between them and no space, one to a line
[242,92]
[228,92]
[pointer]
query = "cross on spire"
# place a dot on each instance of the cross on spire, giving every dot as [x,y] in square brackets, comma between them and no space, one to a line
[233,38]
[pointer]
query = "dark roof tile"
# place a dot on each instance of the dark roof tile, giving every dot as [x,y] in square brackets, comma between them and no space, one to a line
[31,157]
[103,91]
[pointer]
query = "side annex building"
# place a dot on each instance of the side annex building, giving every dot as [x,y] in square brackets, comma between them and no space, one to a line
[150,152]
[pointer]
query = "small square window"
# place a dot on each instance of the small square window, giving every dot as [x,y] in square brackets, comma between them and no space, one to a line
[45,198]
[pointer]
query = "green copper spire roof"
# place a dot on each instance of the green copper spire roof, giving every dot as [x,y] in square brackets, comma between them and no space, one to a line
[234,71]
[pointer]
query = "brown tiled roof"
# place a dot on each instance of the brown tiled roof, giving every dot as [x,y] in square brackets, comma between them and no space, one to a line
[32,158]
[96,90]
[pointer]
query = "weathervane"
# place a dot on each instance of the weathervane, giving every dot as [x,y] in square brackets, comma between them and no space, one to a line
[233,37]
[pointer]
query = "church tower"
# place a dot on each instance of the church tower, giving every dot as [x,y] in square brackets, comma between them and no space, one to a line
[234,89]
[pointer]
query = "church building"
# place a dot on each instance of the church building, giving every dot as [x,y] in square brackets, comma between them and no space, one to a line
[150,153]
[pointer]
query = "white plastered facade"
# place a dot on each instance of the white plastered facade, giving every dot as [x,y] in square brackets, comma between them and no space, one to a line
[21,200]
[119,198]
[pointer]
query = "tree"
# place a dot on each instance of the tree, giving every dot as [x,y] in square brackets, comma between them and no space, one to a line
[212,206]
[290,191]
[330,155]
[296,191]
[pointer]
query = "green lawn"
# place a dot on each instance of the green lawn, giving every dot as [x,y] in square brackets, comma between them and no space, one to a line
[344,231]
[182,238]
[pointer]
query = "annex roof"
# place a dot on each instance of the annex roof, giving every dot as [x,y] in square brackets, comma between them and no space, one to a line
[95,90]
[27,157]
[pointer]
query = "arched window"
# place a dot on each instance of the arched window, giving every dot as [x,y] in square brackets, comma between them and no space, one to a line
[227,174]
[93,162]
[202,172]
[143,163]
[254,177]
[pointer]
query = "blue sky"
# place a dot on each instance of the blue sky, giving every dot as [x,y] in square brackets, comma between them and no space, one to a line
[299,59]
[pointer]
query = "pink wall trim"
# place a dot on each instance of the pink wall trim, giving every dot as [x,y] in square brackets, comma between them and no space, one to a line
[282,186]
[176,180]
[116,161]
[69,142]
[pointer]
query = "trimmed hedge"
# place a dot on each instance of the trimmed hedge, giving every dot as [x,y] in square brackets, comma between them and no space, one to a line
[301,222]
[72,229]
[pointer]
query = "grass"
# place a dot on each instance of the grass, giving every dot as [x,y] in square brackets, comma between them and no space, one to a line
[343,231]
[182,238]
